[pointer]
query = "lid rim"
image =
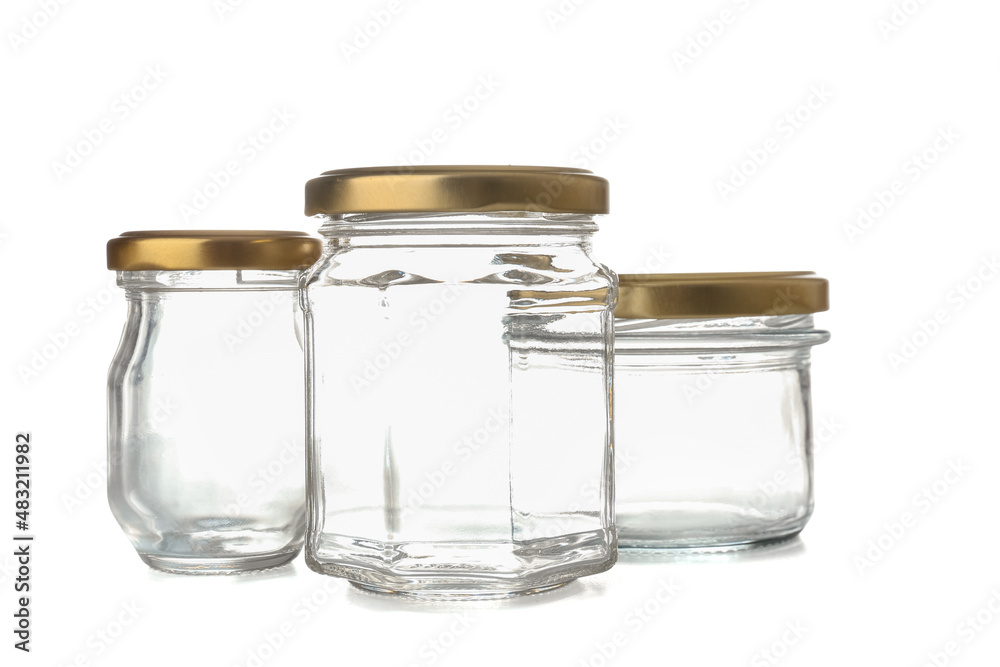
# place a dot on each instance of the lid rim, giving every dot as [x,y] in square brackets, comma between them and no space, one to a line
[456,188]
[721,295]
[193,250]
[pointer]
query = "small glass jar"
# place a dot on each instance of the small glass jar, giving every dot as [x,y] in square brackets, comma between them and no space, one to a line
[712,407]
[205,399]
[458,342]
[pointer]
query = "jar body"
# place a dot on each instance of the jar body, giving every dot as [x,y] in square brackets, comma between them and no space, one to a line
[714,430]
[459,392]
[205,434]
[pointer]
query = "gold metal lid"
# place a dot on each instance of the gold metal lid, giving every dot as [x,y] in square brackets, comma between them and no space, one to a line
[694,295]
[452,189]
[212,249]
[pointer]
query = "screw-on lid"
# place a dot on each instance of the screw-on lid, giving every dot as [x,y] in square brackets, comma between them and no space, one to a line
[455,189]
[693,295]
[212,249]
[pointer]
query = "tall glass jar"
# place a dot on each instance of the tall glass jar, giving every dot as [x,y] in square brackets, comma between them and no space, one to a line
[205,399]
[712,407]
[458,340]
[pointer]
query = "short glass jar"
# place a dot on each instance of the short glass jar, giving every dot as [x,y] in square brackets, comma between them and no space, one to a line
[205,399]
[458,338]
[712,407]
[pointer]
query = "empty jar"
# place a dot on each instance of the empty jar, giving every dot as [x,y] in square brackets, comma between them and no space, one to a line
[459,352]
[712,407]
[206,399]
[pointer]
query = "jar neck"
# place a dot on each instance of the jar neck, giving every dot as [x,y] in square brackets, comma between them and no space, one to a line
[728,333]
[464,228]
[706,325]
[223,280]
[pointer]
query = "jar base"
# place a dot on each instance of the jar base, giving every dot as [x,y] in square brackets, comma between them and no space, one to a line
[459,594]
[227,565]
[472,571]
[703,527]
[721,545]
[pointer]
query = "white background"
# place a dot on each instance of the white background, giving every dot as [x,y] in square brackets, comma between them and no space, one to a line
[665,132]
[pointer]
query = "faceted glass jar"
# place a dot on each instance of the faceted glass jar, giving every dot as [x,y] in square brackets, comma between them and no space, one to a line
[459,387]
[206,437]
[713,430]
